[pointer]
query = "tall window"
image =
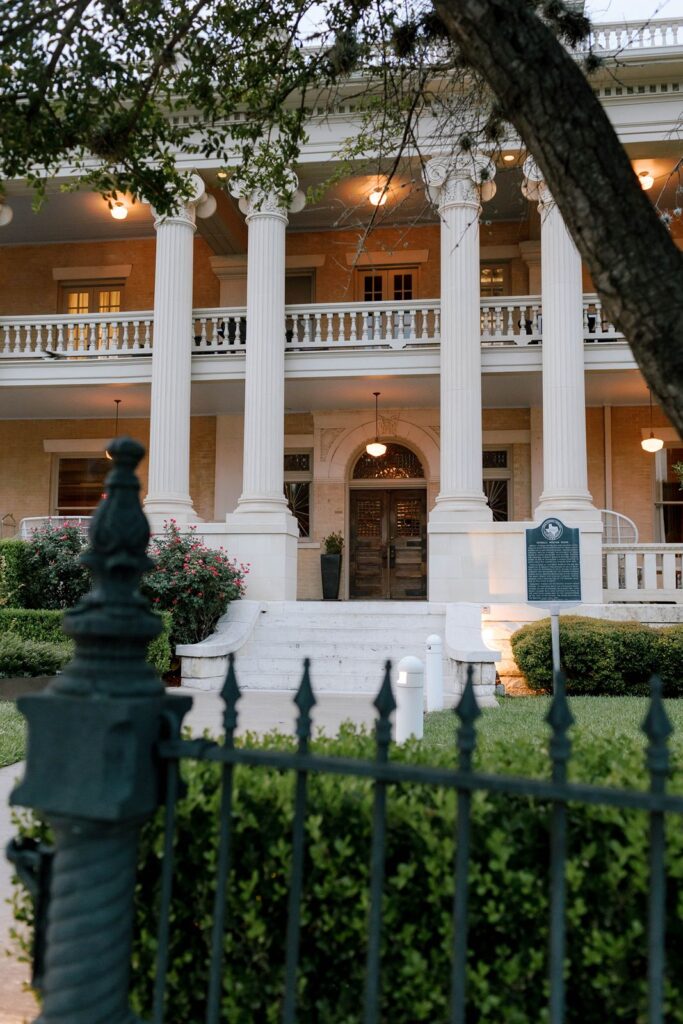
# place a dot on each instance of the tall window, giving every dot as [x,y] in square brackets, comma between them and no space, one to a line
[104,297]
[668,497]
[498,482]
[298,479]
[494,279]
[80,484]
[386,285]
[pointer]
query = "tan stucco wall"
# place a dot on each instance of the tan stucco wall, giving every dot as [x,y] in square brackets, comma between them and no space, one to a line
[26,468]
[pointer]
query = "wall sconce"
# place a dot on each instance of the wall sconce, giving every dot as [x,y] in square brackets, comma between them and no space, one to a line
[646,180]
[117,403]
[376,448]
[651,443]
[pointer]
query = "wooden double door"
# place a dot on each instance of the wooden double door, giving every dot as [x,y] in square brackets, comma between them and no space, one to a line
[388,544]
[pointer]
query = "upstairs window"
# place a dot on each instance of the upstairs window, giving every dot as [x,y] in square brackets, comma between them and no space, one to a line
[494,280]
[80,298]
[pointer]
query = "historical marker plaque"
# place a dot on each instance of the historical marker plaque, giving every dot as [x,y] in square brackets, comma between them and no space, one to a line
[553,563]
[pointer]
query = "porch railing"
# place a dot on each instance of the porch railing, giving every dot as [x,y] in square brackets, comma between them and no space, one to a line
[513,321]
[643,572]
[649,34]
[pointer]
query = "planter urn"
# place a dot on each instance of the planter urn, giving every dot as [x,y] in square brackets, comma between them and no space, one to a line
[330,570]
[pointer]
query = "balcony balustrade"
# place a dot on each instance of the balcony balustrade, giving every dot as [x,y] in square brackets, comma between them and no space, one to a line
[643,572]
[510,321]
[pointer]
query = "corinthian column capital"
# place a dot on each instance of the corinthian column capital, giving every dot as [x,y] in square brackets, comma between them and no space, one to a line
[199,204]
[255,202]
[462,179]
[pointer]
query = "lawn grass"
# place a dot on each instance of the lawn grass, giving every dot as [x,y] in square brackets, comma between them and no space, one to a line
[520,721]
[12,734]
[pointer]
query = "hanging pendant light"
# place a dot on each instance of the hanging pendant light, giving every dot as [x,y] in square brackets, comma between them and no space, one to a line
[376,448]
[651,443]
[117,403]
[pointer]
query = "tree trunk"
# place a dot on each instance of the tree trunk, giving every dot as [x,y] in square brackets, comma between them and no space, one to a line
[635,265]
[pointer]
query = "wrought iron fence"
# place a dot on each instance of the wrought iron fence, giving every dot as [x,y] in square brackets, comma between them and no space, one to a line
[105,742]
[465,781]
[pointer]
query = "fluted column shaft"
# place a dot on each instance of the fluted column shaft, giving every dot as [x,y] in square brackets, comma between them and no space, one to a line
[169,442]
[455,188]
[264,390]
[565,466]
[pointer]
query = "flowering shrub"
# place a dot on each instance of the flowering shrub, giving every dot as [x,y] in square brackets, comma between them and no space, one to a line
[194,583]
[53,576]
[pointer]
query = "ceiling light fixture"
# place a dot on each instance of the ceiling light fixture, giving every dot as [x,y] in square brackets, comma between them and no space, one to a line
[378,196]
[119,210]
[117,403]
[508,157]
[222,175]
[376,448]
[646,180]
[651,443]
[6,214]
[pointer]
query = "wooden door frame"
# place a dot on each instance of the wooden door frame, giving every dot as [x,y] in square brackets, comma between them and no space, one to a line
[409,484]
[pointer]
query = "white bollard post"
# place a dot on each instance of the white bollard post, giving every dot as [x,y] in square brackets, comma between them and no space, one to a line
[409,699]
[434,673]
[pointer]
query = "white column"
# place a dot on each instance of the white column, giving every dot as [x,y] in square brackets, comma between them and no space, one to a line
[565,466]
[168,494]
[262,530]
[455,185]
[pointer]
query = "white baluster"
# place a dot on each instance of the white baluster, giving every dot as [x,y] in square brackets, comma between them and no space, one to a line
[612,559]
[437,324]
[650,570]
[330,327]
[203,339]
[295,329]
[17,338]
[377,326]
[318,335]
[669,570]
[70,328]
[631,570]
[412,325]
[5,338]
[353,337]
[147,339]
[365,324]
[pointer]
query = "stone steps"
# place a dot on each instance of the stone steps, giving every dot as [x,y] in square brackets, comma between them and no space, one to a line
[348,644]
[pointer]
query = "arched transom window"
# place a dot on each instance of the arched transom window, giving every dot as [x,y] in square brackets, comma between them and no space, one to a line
[397,463]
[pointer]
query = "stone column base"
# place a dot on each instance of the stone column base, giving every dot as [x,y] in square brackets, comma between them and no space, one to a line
[160,510]
[487,563]
[268,542]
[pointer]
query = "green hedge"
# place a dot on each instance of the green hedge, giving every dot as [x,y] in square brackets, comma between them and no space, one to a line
[46,627]
[13,560]
[607,882]
[20,657]
[602,658]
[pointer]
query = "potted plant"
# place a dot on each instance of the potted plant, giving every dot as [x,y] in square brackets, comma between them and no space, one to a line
[330,565]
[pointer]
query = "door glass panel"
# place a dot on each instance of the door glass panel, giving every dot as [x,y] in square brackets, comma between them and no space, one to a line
[372,288]
[298,495]
[403,287]
[77,303]
[408,517]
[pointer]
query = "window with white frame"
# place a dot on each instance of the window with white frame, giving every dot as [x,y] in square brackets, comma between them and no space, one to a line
[497,473]
[79,484]
[298,483]
[668,496]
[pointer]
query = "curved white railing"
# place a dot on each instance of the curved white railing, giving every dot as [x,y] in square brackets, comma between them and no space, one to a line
[643,572]
[505,321]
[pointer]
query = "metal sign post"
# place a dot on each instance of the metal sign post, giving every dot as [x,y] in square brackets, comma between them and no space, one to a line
[553,574]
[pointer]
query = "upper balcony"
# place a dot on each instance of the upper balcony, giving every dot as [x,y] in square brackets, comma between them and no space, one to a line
[395,334]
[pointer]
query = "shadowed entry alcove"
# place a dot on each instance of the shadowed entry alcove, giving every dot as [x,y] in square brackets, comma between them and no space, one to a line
[388,520]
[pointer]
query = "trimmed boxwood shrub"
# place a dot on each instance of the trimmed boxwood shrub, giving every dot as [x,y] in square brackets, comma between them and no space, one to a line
[13,561]
[36,624]
[607,887]
[20,657]
[602,658]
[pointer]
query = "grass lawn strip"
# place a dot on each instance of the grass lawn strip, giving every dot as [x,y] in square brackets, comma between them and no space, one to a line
[12,734]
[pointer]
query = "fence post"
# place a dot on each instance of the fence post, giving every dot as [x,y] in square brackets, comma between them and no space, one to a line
[434,673]
[91,766]
[409,699]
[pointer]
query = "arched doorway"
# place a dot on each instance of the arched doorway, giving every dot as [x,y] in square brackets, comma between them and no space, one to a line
[388,527]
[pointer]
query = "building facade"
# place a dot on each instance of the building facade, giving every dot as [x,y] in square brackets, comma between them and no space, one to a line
[243,344]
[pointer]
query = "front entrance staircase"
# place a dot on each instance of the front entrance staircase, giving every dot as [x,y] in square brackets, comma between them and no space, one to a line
[348,644]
